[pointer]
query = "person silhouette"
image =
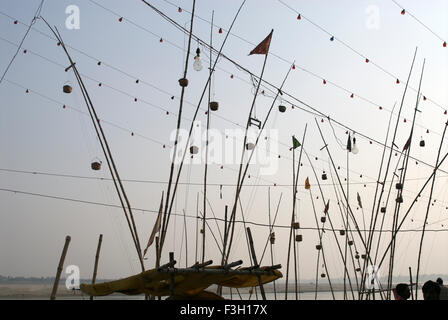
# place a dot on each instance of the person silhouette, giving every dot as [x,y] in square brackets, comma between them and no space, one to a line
[402,292]
[431,290]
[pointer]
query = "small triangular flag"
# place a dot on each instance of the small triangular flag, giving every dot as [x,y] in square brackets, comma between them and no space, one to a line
[263,47]
[307,184]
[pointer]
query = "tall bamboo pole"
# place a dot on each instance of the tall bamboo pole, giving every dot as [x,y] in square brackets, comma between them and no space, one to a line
[241,181]
[97,256]
[427,212]
[60,267]
[291,228]
[237,193]
[207,136]
[195,114]
[400,192]
[176,141]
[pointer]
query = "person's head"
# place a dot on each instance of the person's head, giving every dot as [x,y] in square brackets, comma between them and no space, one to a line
[439,281]
[431,290]
[403,291]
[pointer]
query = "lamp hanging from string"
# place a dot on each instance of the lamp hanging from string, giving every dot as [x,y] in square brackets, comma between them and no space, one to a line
[197,64]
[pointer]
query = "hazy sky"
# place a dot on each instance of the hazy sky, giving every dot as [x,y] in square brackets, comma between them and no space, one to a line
[38,134]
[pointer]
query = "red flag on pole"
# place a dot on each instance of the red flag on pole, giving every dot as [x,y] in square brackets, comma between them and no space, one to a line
[263,47]
[156,227]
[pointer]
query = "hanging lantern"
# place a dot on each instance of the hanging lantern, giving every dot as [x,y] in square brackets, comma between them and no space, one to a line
[99,63]
[398,81]
[299,17]
[121,19]
[220,30]
[403,12]
[399,186]
[214,105]
[355,149]
[332,38]
[250,146]
[352,95]
[194,149]
[197,65]
[281,108]
[324,81]
[96,165]
[342,232]
[350,242]
[179,10]
[272,238]
[422,143]
[324,176]
[16,22]
[161,40]
[318,246]
[381,108]
[367,60]
[296,225]
[67,88]
[299,238]
[322,275]
[323,219]
[183,82]
[444,44]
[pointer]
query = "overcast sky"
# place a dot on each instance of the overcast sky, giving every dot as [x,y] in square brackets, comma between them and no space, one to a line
[39,135]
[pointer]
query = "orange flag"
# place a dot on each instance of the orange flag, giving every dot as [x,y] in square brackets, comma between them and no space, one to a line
[307,184]
[156,227]
[263,47]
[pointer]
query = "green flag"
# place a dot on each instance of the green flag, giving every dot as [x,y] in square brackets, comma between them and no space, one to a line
[295,142]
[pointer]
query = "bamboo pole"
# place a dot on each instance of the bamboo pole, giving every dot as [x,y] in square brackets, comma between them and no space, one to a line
[400,192]
[254,258]
[410,283]
[390,154]
[241,180]
[195,114]
[176,141]
[427,212]
[97,256]
[237,193]
[207,137]
[373,214]
[320,234]
[271,229]
[352,216]
[60,267]
[291,228]
[410,208]
[105,147]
